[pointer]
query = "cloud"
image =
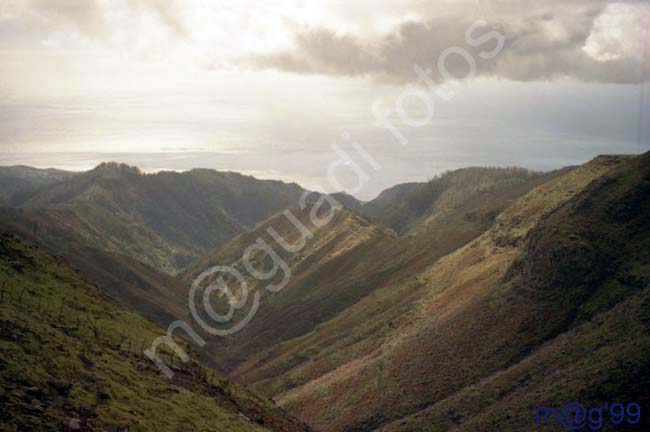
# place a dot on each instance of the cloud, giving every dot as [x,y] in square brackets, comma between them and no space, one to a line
[588,40]
[92,19]
[324,52]
[84,15]
[559,39]
[170,13]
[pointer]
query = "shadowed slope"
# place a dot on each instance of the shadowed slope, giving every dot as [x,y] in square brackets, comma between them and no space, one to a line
[16,181]
[376,207]
[166,219]
[467,197]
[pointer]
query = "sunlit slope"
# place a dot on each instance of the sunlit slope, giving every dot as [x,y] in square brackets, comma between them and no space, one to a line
[326,276]
[346,260]
[72,360]
[469,210]
[570,320]
[413,344]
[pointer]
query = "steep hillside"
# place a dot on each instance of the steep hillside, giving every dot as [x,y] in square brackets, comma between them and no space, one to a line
[18,180]
[575,308]
[156,295]
[348,201]
[358,272]
[333,270]
[345,261]
[412,345]
[376,207]
[72,360]
[468,197]
[166,219]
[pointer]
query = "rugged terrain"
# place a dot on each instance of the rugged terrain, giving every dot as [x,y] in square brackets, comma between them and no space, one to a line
[128,232]
[457,304]
[350,257]
[166,220]
[468,342]
[16,181]
[72,360]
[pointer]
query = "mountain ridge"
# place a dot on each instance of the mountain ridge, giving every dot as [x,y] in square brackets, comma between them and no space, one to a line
[165,219]
[379,331]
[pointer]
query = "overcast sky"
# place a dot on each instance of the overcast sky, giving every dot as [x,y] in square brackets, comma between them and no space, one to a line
[267,89]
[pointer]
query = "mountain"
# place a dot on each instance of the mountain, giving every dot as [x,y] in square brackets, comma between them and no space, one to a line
[72,360]
[576,304]
[314,292]
[166,219]
[343,262]
[467,196]
[348,201]
[22,179]
[346,260]
[107,224]
[375,207]
[467,341]
[458,304]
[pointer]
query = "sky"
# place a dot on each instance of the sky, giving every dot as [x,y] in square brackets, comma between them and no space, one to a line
[273,89]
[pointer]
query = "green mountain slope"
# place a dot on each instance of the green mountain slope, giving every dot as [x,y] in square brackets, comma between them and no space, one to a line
[72,360]
[439,330]
[166,219]
[466,197]
[18,180]
[156,295]
[376,207]
[508,290]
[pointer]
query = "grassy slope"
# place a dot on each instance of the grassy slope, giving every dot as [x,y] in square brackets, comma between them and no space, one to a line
[347,260]
[376,207]
[166,219]
[56,370]
[154,294]
[390,285]
[326,277]
[583,283]
[433,340]
[466,197]
[19,180]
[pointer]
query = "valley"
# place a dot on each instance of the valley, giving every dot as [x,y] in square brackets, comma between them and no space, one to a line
[436,306]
